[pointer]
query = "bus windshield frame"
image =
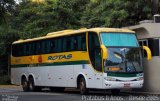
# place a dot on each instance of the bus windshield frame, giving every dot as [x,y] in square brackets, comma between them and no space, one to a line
[124,52]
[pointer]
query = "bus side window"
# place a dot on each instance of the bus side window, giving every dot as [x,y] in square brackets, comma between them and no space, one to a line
[29,49]
[38,48]
[83,41]
[66,44]
[74,43]
[79,42]
[47,46]
[43,50]
[33,49]
[58,45]
[24,49]
[52,46]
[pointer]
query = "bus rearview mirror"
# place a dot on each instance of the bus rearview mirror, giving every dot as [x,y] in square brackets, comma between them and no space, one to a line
[104,52]
[148,51]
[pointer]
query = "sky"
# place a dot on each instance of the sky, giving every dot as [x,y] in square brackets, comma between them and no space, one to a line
[17,1]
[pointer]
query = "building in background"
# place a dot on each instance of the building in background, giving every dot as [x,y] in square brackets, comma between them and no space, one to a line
[148,33]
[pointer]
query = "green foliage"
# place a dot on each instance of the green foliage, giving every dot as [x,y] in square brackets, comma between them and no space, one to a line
[116,13]
[33,20]
[5,7]
[4,80]
[69,13]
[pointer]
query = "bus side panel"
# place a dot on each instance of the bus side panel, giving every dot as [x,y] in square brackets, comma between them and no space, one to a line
[58,76]
[16,74]
[89,74]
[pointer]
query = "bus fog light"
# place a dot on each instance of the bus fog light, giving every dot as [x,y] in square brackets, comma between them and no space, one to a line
[109,79]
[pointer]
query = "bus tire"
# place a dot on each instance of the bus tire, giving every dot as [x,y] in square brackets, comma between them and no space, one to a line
[32,86]
[115,91]
[24,84]
[82,86]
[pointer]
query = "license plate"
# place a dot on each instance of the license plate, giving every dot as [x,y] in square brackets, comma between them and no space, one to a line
[127,85]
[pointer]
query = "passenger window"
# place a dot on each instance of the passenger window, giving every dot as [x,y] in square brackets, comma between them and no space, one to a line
[58,45]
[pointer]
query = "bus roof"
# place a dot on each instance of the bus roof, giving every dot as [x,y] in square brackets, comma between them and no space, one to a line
[69,32]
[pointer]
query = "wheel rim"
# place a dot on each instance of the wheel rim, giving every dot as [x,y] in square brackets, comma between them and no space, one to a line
[30,86]
[82,86]
[24,85]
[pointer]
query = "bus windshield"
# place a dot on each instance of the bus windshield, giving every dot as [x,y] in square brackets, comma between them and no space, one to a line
[124,52]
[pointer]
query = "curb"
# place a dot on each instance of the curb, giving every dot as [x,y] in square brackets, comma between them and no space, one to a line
[10,86]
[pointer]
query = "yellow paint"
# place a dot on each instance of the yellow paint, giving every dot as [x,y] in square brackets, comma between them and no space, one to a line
[76,56]
[149,54]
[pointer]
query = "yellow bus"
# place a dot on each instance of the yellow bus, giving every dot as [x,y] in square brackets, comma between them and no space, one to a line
[96,58]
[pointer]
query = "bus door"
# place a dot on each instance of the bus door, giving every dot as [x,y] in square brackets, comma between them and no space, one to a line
[95,58]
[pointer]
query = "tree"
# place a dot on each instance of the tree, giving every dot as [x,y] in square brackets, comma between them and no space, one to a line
[33,19]
[5,7]
[69,13]
[116,13]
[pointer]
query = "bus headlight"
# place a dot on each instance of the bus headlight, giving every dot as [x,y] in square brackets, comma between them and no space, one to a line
[140,78]
[109,79]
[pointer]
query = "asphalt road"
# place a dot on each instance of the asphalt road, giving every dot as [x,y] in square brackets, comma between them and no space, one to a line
[15,93]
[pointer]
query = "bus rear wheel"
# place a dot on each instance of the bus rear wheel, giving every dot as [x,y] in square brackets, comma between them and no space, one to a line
[32,86]
[82,86]
[25,85]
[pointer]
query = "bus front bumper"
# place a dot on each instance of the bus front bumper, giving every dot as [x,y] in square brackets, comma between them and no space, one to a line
[121,85]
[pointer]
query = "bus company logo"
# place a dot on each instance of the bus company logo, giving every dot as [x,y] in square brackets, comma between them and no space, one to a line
[128,69]
[17,60]
[40,59]
[59,57]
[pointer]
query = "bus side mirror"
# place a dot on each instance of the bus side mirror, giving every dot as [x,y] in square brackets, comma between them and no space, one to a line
[148,51]
[104,52]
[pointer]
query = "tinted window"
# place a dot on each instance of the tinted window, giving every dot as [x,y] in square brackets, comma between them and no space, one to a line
[54,45]
[94,51]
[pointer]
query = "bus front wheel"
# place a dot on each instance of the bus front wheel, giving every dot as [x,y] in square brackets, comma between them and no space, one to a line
[82,86]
